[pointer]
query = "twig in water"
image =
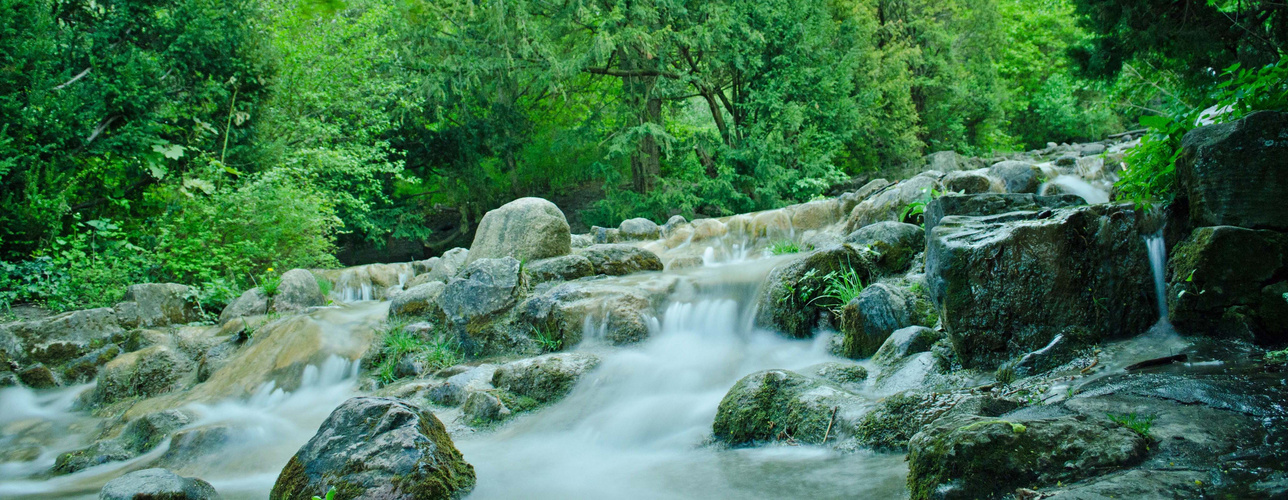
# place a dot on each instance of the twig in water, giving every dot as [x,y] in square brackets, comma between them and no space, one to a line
[829,425]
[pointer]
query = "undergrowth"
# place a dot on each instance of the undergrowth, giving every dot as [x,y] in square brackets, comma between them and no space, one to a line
[1138,423]
[435,351]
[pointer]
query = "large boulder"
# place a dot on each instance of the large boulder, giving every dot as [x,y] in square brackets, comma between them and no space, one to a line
[57,339]
[621,259]
[1232,281]
[890,203]
[156,304]
[525,229]
[993,204]
[972,182]
[895,242]
[417,301]
[639,229]
[1018,176]
[1236,173]
[377,448]
[544,378]
[782,405]
[987,457]
[562,313]
[879,310]
[815,215]
[484,288]
[564,268]
[298,290]
[790,300]
[144,373]
[252,302]
[1008,284]
[157,484]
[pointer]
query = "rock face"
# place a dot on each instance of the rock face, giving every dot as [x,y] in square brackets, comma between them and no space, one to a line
[297,291]
[565,268]
[1019,176]
[983,457]
[157,484]
[377,448]
[782,405]
[484,288]
[525,229]
[895,243]
[156,304]
[1231,281]
[544,378]
[1236,173]
[619,259]
[789,300]
[420,300]
[145,373]
[252,302]
[563,311]
[1008,284]
[879,310]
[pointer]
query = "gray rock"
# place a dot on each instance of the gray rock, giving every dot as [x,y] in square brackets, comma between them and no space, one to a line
[782,405]
[905,341]
[562,312]
[418,301]
[525,229]
[639,229]
[564,268]
[895,243]
[993,204]
[252,302]
[971,182]
[582,240]
[157,484]
[878,311]
[377,448]
[484,288]
[61,338]
[544,378]
[1008,284]
[156,304]
[847,375]
[1236,173]
[38,376]
[484,408]
[620,259]
[889,204]
[297,291]
[1231,281]
[1018,176]
[790,299]
[145,373]
[672,223]
[84,368]
[448,265]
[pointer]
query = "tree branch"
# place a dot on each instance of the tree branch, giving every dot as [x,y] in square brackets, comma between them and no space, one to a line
[74,78]
[621,73]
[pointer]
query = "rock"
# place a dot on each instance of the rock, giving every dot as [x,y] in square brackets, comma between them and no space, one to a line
[418,301]
[148,431]
[603,235]
[377,448]
[454,391]
[38,376]
[252,302]
[1054,354]
[889,205]
[483,408]
[771,224]
[484,288]
[895,243]
[544,378]
[639,229]
[61,338]
[563,312]
[9,379]
[190,446]
[157,484]
[297,291]
[972,182]
[218,355]
[847,375]
[899,417]
[816,214]
[526,229]
[1089,149]
[145,373]
[156,304]
[620,259]
[781,405]
[99,453]
[789,301]
[878,311]
[1236,173]
[417,280]
[1228,280]
[1008,284]
[905,341]
[84,368]
[987,457]
[448,265]
[993,204]
[672,223]
[1018,176]
[565,268]
[582,240]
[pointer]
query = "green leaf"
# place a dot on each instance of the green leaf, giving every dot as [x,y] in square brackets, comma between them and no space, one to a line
[1155,122]
[158,170]
[173,151]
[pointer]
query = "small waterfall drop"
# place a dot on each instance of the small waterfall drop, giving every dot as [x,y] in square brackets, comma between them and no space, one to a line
[1158,262]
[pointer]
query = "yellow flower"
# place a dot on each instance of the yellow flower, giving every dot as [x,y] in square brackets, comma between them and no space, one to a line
[270,269]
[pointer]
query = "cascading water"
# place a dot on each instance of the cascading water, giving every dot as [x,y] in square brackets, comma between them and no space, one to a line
[1157,249]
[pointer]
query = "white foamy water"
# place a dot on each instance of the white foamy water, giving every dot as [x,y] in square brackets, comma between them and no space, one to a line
[1157,249]
[1073,184]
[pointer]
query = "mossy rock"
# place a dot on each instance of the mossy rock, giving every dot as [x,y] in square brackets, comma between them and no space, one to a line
[790,299]
[782,405]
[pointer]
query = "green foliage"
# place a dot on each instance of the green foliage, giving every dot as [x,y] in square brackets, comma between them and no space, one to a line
[548,339]
[782,247]
[324,285]
[396,344]
[330,494]
[269,284]
[840,287]
[1140,424]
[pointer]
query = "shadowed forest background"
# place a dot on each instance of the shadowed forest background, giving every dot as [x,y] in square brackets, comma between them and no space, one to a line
[211,141]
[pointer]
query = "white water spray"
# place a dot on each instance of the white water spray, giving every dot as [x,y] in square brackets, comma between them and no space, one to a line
[1157,249]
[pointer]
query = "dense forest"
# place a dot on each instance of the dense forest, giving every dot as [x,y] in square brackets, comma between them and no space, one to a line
[209,142]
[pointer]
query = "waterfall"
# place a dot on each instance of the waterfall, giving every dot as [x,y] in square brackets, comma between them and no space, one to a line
[1158,262]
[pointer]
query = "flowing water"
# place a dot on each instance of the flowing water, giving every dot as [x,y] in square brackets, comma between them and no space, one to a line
[1157,249]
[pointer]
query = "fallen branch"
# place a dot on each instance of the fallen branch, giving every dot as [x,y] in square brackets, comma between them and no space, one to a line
[1127,133]
[829,425]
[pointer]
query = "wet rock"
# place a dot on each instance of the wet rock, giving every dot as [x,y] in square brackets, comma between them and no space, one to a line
[189,446]
[847,375]
[297,291]
[415,281]
[781,405]
[672,223]
[771,224]
[484,288]
[1055,353]
[993,204]
[816,214]
[9,379]
[38,376]
[789,301]
[1006,285]
[905,341]
[454,391]
[544,378]
[620,259]
[894,242]
[986,457]
[899,417]
[58,339]
[218,355]
[418,301]
[878,311]
[917,371]
[1236,173]
[639,229]
[1018,176]
[564,268]
[564,311]
[526,229]
[145,373]
[377,448]
[157,484]
[888,205]
[156,304]
[484,408]
[99,453]
[252,302]
[972,182]
[1230,281]
[84,368]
